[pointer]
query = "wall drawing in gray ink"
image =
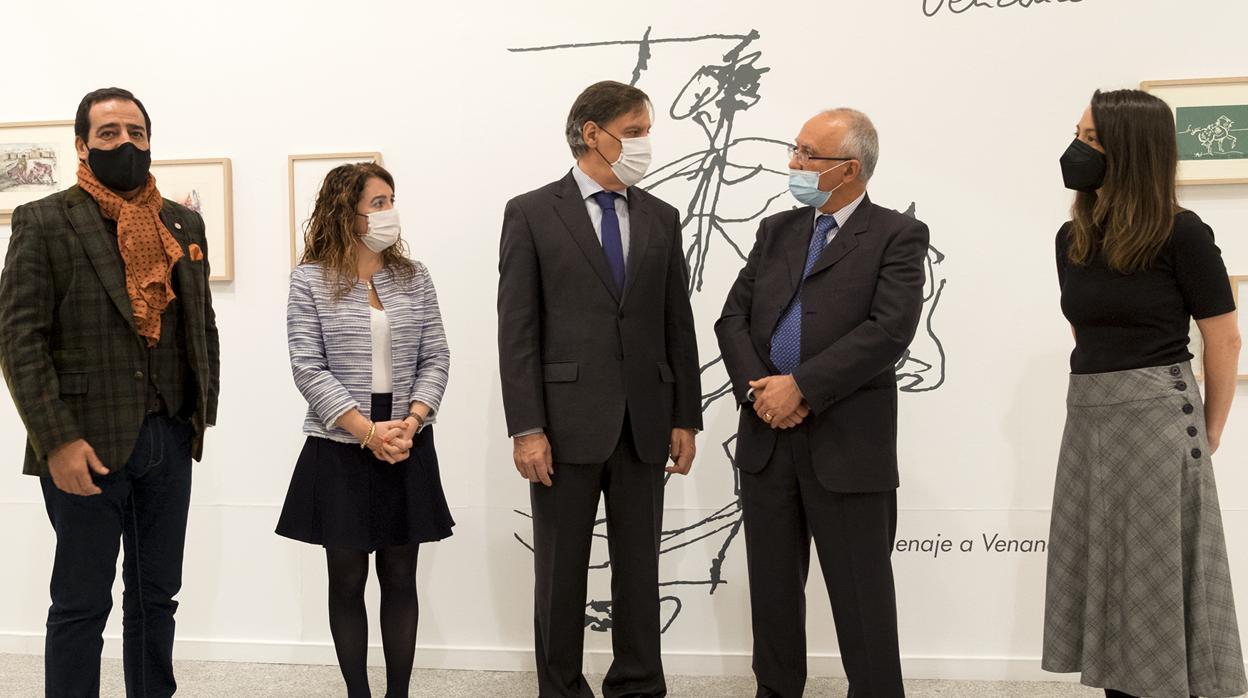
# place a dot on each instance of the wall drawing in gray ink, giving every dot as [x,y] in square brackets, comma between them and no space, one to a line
[723,187]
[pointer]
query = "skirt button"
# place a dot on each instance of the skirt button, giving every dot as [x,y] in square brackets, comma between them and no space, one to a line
[1180,386]
[1188,409]
[1192,431]
[1175,370]
[1195,453]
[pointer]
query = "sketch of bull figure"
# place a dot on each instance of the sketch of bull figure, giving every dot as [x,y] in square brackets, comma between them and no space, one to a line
[1216,135]
[42,173]
[37,173]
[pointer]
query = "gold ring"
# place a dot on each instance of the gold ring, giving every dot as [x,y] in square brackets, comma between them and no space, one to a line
[767,416]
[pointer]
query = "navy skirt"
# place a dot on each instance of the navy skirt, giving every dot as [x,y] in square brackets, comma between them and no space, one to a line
[341,496]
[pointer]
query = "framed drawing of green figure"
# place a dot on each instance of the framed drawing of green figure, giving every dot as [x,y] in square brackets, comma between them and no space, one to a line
[1211,127]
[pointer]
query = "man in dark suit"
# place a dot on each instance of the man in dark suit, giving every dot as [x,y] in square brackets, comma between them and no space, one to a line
[109,345]
[827,303]
[599,366]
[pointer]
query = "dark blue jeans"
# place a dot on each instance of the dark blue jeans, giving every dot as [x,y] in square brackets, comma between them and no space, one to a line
[143,505]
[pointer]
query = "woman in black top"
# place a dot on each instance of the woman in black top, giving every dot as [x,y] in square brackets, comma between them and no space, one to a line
[1138,596]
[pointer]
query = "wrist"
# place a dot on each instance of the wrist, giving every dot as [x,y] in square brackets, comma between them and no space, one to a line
[367,438]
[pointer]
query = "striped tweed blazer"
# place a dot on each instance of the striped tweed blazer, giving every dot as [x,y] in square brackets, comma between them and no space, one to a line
[331,345]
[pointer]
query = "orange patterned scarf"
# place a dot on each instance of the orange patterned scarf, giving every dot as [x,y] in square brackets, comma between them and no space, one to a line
[147,248]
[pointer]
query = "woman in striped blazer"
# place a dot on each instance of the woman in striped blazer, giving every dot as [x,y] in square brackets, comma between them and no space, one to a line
[369,354]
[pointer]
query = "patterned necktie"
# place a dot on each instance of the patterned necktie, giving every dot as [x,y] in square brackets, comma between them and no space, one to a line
[611,243]
[786,341]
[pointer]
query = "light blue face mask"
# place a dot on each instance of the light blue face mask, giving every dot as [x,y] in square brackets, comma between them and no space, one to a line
[804,186]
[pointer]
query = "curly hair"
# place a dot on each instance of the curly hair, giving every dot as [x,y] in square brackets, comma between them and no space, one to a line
[329,235]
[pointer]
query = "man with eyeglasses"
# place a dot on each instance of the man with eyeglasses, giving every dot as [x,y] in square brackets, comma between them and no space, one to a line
[811,333]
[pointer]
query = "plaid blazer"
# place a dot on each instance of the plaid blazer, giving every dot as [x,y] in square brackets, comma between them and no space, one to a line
[69,349]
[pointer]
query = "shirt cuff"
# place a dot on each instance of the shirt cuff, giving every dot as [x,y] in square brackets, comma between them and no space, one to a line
[529,432]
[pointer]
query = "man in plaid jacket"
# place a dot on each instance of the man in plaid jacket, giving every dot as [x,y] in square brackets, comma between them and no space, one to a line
[108,342]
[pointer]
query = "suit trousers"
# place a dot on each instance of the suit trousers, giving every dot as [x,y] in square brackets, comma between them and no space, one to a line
[143,506]
[784,505]
[565,520]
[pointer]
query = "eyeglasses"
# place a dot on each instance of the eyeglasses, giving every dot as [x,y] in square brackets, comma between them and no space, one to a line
[803,157]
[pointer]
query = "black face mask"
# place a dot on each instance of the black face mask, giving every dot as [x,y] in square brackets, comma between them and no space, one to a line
[1083,167]
[121,169]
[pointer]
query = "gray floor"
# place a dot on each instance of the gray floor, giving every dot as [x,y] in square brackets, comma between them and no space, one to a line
[23,678]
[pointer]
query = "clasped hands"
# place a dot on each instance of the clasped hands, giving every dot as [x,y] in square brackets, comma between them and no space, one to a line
[779,402]
[392,440]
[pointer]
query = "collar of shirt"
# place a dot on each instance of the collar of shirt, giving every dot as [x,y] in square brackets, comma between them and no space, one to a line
[587,185]
[841,216]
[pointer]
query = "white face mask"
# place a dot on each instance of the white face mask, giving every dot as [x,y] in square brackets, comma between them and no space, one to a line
[634,159]
[383,230]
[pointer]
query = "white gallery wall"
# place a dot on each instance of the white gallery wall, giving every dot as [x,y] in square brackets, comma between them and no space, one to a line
[974,108]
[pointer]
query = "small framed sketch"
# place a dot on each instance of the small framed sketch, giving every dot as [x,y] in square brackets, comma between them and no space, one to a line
[37,158]
[1211,123]
[206,187]
[306,172]
[1239,287]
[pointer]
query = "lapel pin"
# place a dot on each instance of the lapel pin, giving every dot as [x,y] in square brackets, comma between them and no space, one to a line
[178,226]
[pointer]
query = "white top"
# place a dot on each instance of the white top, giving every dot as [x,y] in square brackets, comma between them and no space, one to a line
[383,372]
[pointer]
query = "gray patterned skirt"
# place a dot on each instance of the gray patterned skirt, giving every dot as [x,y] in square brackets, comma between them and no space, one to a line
[1138,593]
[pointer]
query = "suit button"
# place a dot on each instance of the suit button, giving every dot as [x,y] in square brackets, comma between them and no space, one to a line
[1180,386]
[1175,371]
[1195,453]
[1188,409]
[1192,431]
[138,375]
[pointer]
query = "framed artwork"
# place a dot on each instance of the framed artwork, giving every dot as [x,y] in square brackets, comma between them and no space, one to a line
[206,187]
[1239,287]
[1211,123]
[306,172]
[37,158]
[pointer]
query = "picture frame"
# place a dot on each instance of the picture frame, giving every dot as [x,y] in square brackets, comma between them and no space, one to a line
[305,173]
[1211,123]
[206,186]
[37,158]
[1239,289]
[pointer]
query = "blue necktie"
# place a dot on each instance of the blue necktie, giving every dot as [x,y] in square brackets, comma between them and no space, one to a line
[786,341]
[611,243]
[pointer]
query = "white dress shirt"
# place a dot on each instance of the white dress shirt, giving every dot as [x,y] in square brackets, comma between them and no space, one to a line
[588,188]
[841,216]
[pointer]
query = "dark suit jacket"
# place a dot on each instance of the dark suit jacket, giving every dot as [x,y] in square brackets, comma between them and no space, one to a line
[575,352]
[860,307]
[69,349]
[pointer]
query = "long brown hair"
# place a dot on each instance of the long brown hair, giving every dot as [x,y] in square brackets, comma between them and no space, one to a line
[329,235]
[1129,220]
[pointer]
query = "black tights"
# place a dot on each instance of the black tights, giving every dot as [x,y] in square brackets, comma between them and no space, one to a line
[348,618]
[1111,693]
